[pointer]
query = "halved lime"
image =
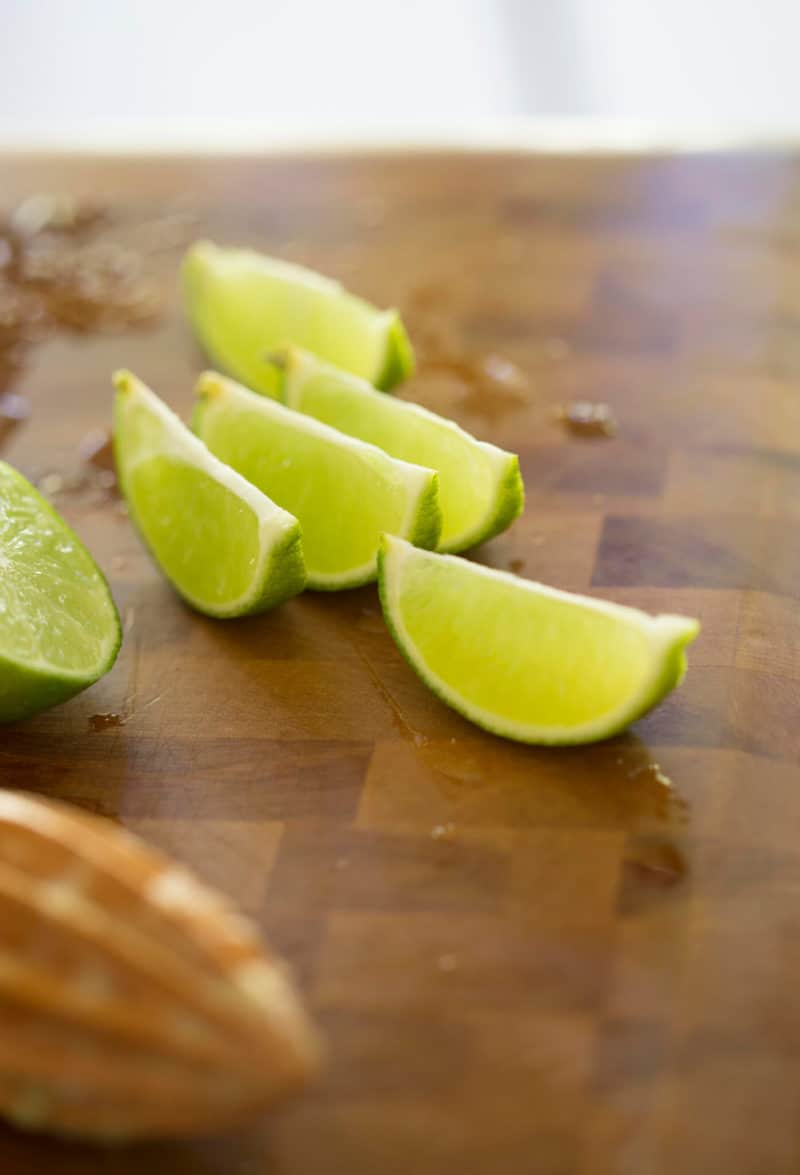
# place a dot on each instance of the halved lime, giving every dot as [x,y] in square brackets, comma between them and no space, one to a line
[480,488]
[522,660]
[243,304]
[59,629]
[226,548]
[344,492]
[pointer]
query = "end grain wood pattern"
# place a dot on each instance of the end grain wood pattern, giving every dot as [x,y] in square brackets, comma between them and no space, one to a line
[525,960]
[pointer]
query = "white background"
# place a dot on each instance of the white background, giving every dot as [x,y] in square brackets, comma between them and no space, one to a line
[70,69]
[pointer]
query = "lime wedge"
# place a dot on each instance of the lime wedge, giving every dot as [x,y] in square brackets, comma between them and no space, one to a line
[480,488]
[242,304]
[59,629]
[344,492]
[226,548]
[526,661]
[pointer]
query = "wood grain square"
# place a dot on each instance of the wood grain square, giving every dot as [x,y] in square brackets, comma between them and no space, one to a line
[730,407]
[471,961]
[625,315]
[535,301]
[216,780]
[489,784]
[235,856]
[762,342]
[396,1135]
[270,699]
[768,639]
[69,767]
[719,551]
[747,1103]
[629,1053]
[368,870]
[20,1150]
[760,914]
[763,714]
[635,1040]
[735,866]
[593,466]
[657,870]
[256,779]
[698,714]
[566,877]
[428,1048]
[554,548]
[547,1071]
[761,482]
[756,804]
[310,628]
[647,968]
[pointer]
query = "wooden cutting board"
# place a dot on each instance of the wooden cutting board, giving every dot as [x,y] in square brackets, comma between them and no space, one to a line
[575,961]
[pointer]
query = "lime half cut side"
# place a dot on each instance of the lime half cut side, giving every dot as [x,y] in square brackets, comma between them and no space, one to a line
[480,488]
[59,628]
[225,547]
[242,304]
[344,492]
[522,660]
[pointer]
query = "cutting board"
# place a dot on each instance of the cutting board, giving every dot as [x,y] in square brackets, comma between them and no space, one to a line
[554,961]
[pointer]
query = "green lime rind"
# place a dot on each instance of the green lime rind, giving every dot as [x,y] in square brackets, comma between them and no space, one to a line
[223,545]
[507,504]
[398,363]
[524,661]
[59,626]
[424,517]
[480,487]
[242,304]
[344,492]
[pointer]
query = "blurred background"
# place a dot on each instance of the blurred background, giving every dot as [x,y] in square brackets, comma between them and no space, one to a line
[197,70]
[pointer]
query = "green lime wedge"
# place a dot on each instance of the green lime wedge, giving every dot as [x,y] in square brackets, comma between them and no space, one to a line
[59,629]
[522,660]
[480,488]
[344,492]
[242,304]
[225,547]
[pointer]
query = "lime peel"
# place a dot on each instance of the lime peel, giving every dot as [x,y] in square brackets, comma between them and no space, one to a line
[513,656]
[242,553]
[59,627]
[344,491]
[242,304]
[480,488]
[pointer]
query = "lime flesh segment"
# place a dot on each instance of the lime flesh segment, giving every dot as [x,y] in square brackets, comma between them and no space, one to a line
[480,488]
[225,547]
[526,661]
[242,305]
[344,492]
[59,628]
